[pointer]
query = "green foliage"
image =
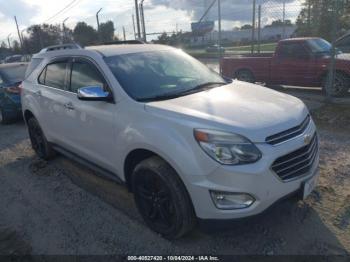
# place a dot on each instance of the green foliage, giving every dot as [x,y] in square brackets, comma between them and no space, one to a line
[247,26]
[318,16]
[41,36]
[279,22]
[175,39]
[84,34]
[106,31]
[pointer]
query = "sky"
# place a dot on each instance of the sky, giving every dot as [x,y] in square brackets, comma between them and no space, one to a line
[160,15]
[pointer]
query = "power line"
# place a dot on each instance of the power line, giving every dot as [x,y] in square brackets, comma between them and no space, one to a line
[62,10]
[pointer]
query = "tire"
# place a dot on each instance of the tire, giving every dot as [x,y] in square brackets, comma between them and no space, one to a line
[341,85]
[245,75]
[4,119]
[38,140]
[162,199]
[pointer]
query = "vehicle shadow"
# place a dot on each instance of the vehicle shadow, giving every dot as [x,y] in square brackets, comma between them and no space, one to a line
[289,227]
[9,138]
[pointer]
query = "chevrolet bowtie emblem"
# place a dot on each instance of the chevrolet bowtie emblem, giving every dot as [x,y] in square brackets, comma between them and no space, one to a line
[307,139]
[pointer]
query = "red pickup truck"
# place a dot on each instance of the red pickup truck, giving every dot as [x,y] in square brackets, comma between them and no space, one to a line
[296,62]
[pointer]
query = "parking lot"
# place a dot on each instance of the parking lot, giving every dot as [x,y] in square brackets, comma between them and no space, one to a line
[59,207]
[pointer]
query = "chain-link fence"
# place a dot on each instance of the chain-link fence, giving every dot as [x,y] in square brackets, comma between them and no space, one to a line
[297,43]
[255,28]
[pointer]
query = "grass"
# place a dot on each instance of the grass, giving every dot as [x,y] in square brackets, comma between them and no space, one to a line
[232,50]
[270,47]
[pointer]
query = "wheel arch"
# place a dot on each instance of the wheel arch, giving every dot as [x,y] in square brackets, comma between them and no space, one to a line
[326,72]
[132,159]
[244,69]
[136,156]
[28,115]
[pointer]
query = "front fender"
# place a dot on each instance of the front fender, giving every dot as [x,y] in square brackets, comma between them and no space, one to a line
[172,142]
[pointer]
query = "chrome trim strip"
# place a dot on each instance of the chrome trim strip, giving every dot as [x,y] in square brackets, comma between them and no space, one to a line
[292,133]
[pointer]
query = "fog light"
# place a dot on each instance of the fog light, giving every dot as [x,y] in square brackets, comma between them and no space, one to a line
[227,200]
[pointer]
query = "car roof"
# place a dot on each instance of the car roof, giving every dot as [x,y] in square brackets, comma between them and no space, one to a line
[105,50]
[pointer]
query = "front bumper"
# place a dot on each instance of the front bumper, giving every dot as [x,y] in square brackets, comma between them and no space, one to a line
[257,179]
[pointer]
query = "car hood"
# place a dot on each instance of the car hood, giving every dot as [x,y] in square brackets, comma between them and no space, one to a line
[247,109]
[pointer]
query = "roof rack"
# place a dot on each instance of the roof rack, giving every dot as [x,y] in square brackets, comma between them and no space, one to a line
[60,47]
[127,42]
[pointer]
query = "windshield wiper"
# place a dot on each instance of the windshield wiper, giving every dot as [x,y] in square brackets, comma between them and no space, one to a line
[196,89]
[160,97]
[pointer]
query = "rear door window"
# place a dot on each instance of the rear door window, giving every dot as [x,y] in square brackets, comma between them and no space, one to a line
[54,75]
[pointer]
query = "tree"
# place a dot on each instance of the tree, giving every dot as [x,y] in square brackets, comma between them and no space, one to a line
[279,22]
[84,34]
[246,27]
[16,47]
[41,36]
[4,50]
[106,31]
[317,18]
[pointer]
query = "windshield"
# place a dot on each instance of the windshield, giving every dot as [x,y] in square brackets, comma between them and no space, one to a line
[320,46]
[153,75]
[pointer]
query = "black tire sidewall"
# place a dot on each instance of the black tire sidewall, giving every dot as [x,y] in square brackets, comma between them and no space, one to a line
[339,77]
[245,71]
[183,207]
[47,151]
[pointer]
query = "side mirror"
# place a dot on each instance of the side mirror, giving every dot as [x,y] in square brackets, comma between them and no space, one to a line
[93,93]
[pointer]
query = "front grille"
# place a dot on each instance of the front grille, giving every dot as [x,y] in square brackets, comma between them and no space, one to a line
[297,163]
[288,134]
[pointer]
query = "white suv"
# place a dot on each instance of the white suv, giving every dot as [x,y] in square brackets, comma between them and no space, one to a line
[189,144]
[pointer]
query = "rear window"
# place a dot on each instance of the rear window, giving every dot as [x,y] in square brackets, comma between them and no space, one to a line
[33,64]
[292,50]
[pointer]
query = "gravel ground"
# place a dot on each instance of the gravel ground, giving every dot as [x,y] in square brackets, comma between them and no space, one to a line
[62,208]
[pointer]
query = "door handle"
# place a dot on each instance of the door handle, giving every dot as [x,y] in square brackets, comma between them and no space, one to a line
[69,106]
[38,93]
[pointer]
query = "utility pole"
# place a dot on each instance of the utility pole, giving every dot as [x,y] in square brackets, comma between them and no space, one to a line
[219,35]
[137,19]
[22,34]
[8,40]
[259,28]
[331,69]
[97,20]
[24,43]
[40,38]
[133,25]
[284,20]
[253,26]
[124,33]
[143,21]
[19,35]
[64,30]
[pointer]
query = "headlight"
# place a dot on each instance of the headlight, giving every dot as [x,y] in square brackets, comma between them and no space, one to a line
[227,148]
